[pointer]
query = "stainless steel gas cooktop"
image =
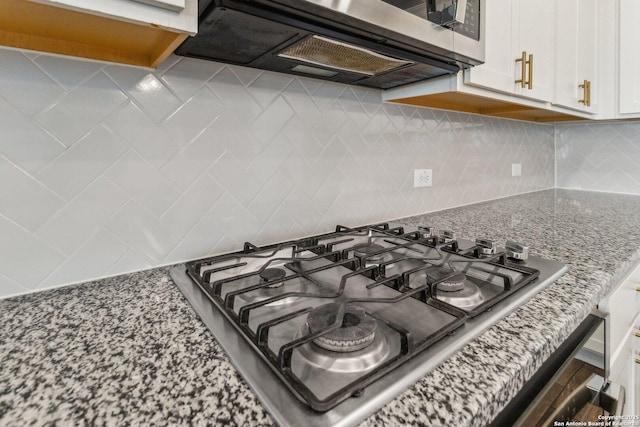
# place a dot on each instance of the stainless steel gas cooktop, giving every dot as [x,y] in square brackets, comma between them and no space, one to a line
[329,328]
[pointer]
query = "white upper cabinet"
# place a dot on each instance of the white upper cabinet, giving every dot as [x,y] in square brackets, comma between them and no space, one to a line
[629,56]
[546,60]
[121,31]
[174,15]
[498,69]
[576,46]
[535,36]
[519,49]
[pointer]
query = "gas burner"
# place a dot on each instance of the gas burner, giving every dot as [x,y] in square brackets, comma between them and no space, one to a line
[273,274]
[369,250]
[357,331]
[454,281]
[456,289]
[292,304]
[468,297]
[357,361]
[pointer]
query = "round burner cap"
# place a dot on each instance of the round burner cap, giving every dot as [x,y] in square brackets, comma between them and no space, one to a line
[454,283]
[356,332]
[273,274]
[369,250]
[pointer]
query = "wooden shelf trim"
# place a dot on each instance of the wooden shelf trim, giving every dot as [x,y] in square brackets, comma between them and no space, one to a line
[469,103]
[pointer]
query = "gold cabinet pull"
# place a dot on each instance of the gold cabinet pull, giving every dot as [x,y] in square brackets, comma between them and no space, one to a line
[638,361]
[638,289]
[523,70]
[526,71]
[586,100]
[583,86]
[530,82]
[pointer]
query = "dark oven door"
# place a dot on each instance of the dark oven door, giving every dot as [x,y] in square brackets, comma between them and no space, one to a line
[572,385]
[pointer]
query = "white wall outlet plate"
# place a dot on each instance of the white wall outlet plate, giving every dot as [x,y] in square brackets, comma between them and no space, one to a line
[422,178]
[516,169]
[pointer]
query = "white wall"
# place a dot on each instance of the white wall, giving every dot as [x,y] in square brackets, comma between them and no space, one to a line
[106,169]
[599,157]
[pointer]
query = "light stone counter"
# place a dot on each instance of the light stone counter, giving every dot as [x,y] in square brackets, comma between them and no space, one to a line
[130,351]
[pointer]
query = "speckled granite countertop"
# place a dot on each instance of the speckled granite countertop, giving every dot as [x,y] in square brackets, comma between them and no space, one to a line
[130,351]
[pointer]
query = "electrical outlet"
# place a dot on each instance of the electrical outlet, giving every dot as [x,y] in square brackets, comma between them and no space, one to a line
[422,178]
[516,169]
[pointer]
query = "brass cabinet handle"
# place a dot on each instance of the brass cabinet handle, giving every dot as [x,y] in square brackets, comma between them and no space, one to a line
[530,82]
[526,65]
[586,100]
[583,86]
[638,361]
[523,71]
[638,289]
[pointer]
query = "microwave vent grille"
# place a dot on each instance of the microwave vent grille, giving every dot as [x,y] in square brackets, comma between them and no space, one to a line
[330,53]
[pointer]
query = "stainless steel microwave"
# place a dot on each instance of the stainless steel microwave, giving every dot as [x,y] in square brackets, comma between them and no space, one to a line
[375,43]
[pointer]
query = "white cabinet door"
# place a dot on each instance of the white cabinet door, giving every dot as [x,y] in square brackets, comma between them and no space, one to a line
[622,372]
[576,42]
[634,395]
[623,306]
[182,18]
[513,27]
[629,56]
[499,67]
[536,36]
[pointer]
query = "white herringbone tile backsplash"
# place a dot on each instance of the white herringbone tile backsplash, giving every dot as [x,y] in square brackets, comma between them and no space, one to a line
[599,157]
[106,169]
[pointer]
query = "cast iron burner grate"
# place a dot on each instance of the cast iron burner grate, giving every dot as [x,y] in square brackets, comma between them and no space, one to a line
[382,273]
